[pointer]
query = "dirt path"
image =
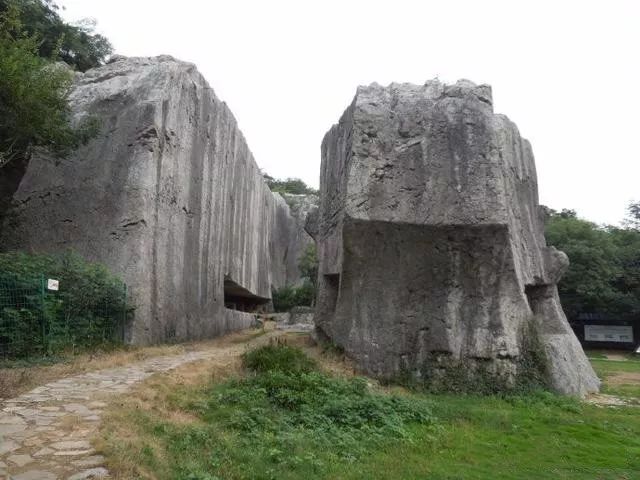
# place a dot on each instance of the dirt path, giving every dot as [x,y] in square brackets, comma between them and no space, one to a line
[45,433]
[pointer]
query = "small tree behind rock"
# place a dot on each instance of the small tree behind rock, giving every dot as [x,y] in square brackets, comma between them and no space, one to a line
[34,91]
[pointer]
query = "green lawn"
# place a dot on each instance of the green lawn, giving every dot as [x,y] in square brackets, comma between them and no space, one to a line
[539,438]
[606,369]
[301,423]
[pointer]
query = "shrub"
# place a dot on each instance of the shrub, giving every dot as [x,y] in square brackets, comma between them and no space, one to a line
[308,264]
[293,186]
[285,298]
[287,409]
[278,357]
[89,309]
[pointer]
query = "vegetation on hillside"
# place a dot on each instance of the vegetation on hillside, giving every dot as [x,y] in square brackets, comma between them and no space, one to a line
[34,89]
[604,271]
[89,309]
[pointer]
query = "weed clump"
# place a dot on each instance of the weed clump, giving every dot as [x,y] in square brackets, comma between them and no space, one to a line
[277,356]
[287,416]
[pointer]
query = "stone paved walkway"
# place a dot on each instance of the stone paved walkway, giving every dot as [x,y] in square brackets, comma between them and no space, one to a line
[45,434]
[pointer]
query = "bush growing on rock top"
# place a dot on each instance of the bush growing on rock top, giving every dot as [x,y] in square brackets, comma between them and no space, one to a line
[293,186]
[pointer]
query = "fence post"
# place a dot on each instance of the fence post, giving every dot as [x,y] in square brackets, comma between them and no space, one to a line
[43,320]
[124,313]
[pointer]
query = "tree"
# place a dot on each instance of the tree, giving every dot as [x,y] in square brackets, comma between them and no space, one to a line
[293,186]
[633,216]
[34,109]
[604,271]
[308,264]
[285,298]
[77,45]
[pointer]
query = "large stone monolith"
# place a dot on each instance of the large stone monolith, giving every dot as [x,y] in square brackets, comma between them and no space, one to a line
[168,196]
[433,261]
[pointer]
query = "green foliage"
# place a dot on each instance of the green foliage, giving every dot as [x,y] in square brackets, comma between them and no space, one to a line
[604,274]
[538,436]
[627,385]
[89,309]
[633,216]
[283,424]
[279,357]
[77,45]
[293,186]
[441,374]
[285,298]
[308,264]
[262,433]
[34,109]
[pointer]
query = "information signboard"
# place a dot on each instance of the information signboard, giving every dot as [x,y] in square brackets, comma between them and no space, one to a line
[608,333]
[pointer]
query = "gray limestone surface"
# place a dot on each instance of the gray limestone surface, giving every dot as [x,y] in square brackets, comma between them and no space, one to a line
[300,205]
[168,196]
[431,247]
[290,236]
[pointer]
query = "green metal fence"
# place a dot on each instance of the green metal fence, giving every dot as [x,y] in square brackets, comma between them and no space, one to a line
[36,320]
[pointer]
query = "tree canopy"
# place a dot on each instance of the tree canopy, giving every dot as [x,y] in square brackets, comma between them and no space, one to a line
[290,185]
[604,274]
[75,44]
[34,109]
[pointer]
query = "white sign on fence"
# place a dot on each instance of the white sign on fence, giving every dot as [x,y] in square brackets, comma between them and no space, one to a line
[608,333]
[53,284]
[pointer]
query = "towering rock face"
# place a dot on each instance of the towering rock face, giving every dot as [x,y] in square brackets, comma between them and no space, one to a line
[168,196]
[300,205]
[430,238]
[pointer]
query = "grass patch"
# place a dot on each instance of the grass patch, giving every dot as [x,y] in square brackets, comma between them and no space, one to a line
[621,377]
[278,357]
[286,419]
[591,354]
[605,368]
[540,436]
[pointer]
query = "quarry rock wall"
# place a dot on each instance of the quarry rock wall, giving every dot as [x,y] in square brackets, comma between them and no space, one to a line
[300,206]
[431,243]
[168,196]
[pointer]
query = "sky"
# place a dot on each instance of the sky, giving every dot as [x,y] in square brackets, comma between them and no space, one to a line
[567,72]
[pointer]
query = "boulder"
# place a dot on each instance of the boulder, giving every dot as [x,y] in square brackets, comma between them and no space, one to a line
[301,315]
[433,261]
